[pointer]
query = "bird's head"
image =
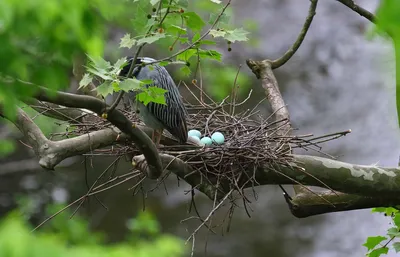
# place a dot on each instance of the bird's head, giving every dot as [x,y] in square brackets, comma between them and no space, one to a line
[124,72]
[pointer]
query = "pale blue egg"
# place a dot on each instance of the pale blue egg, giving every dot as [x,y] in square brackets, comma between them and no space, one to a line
[218,138]
[206,140]
[194,133]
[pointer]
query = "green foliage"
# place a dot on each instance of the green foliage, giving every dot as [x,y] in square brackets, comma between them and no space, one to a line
[6,147]
[388,22]
[231,35]
[378,245]
[40,38]
[159,22]
[222,84]
[70,237]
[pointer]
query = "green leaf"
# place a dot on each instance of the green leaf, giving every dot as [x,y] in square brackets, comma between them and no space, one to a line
[177,29]
[388,17]
[127,41]
[196,37]
[236,35]
[105,89]
[193,21]
[388,21]
[154,2]
[6,147]
[183,40]
[143,97]
[100,63]
[396,220]
[388,211]
[396,246]
[223,19]
[101,73]
[186,70]
[207,42]
[378,209]
[120,63]
[373,241]
[183,3]
[151,39]
[210,54]
[393,232]
[185,56]
[163,63]
[217,33]
[231,35]
[86,80]
[378,252]
[152,94]
[130,84]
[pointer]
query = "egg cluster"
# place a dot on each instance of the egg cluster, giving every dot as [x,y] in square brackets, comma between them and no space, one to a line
[216,138]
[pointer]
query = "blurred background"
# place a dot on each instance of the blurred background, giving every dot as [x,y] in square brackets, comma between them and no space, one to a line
[339,79]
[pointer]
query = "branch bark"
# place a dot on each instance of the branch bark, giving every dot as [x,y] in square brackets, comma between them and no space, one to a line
[358,9]
[117,118]
[369,186]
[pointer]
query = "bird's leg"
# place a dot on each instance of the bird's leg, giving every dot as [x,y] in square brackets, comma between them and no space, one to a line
[157,136]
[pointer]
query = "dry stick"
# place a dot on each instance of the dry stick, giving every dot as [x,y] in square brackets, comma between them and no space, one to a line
[79,199]
[234,92]
[210,214]
[94,184]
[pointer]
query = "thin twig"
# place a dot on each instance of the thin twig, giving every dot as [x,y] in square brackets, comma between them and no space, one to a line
[292,50]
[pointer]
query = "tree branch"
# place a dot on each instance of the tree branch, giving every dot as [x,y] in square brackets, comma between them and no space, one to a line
[362,186]
[183,171]
[358,9]
[306,205]
[370,186]
[263,71]
[117,118]
[292,50]
[51,153]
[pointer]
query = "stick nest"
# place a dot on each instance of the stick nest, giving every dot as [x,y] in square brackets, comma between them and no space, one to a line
[251,140]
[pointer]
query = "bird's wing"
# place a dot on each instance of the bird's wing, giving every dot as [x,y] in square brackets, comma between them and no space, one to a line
[173,114]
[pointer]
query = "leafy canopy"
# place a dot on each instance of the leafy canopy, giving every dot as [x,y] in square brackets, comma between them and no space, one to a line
[172,25]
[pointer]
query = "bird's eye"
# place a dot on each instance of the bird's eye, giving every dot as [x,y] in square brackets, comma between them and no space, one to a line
[137,111]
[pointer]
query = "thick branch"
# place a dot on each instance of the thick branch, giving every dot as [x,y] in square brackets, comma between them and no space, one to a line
[51,153]
[371,186]
[340,176]
[263,71]
[142,141]
[364,186]
[305,204]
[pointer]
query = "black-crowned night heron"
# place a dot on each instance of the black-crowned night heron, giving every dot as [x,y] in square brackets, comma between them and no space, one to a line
[172,115]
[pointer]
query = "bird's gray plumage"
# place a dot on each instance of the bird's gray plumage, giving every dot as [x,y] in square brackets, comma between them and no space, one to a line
[171,116]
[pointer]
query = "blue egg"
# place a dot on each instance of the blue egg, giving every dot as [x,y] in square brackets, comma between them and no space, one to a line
[218,138]
[194,133]
[206,140]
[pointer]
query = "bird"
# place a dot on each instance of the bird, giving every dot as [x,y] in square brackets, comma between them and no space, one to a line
[170,116]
